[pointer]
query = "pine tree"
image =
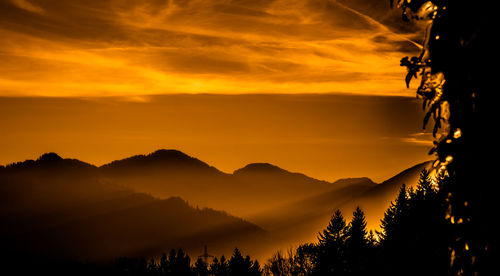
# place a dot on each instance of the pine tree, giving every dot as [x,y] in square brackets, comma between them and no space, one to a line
[179,263]
[255,269]
[241,266]
[163,266]
[356,232]
[153,267]
[219,267]
[394,237]
[335,231]
[200,268]
[356,243]
[414,232]
[393,215]
[331,244]
[425,187]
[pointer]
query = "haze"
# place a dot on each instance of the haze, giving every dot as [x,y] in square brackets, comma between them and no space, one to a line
[324,136]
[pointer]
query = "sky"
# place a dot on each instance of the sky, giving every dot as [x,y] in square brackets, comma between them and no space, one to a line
[312,86]
[326,136]
[133,48]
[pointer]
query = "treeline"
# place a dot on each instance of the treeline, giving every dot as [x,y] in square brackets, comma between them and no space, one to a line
[414,239]
[177,263]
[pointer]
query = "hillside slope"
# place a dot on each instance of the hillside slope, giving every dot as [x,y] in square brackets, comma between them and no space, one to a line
[60,208]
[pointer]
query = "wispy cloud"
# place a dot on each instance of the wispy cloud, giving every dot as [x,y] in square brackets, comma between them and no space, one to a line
[111,47]
[418,139]
[28,6]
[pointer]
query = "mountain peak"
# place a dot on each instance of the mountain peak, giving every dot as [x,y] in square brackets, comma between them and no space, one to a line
[260,168]
[49,157]
[169,154]
[159,160]
[353,181]
[50,161]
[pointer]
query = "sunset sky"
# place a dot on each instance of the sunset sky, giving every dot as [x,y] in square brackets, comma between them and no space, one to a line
[101,80]
[131,48]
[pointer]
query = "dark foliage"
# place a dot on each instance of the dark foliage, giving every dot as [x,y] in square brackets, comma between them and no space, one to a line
[458,88]
[176,263]
[414,239]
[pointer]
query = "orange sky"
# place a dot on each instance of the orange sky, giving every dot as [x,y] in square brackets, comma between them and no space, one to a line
[131,48]
[324,136]
[101,63]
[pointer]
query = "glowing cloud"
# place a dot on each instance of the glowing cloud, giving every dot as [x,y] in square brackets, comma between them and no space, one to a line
[130,48]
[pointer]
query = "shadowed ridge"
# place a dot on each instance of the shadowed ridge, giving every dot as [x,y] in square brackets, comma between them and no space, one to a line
[55,212]
[49,157]
[50,161]
[269,170]
[393,184]
[160,159]
[260,168]
[342,191]
[343,182]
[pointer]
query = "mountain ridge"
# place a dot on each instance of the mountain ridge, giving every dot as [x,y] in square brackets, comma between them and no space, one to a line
[266,196]
[62,213]
[166,173]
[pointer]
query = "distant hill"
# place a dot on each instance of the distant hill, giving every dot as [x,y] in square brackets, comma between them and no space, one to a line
[251,189]
[55,207]
[376,200]
[158,162]
[300,221]
[134,206]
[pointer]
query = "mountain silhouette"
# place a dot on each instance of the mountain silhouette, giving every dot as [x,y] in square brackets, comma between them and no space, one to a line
[160,160]
[260,168]
[300,221]
[60,208]
[138,205]
[375,201]
[251,189]
[50,162]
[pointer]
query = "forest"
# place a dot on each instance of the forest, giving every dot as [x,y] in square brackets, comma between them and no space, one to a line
[414,240]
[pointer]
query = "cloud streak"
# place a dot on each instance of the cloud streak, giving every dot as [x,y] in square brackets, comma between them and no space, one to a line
[28,6]
[130,48]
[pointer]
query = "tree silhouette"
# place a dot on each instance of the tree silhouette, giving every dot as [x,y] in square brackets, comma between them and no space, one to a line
[394,216]
[239,265]
[425,188]
[356,246]
[414,232]
[331,246]
[178,263]
[458,91]
[298,262]
[200,268]
[279,265]
[219,268]
[304,259]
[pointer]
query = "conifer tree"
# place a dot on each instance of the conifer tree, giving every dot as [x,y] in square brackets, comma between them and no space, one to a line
[393,215]
[153,267]
[255,269]
[356,248]
[331,244]
[242,266]
[425,187]
[334,232]
[179,263]
[200,268]
[219,267]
